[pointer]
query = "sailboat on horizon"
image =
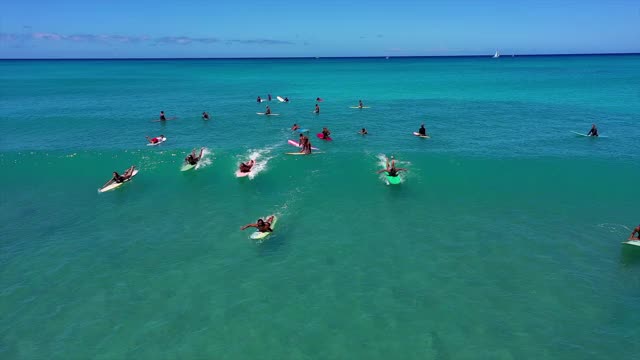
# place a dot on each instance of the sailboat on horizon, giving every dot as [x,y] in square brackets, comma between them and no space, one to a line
[496,55]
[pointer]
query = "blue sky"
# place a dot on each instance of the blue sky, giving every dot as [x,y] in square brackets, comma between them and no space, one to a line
[193,28]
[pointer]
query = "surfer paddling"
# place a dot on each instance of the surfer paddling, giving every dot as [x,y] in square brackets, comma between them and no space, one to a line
[124,177]
[593,131]
[261,225]
[246,167]
[391,168]
[192,159]
[633,235]
[155,140]
[295,127]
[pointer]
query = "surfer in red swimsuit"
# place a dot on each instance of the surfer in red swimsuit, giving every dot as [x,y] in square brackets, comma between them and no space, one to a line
[155,140]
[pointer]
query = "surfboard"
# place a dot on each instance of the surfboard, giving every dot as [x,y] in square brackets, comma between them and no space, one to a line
[393,180]
[168,119]
[257,235]
[161,140]
[187,166]
[272,114]
[281,99]
[297,144]
[299,153]
[585,135]
[421,136]
[321,136]
[114,185]
[358,107]
[319,100]
[632,242]
[242,174]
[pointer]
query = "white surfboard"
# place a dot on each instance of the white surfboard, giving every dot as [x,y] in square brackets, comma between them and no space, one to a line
[280,98]
[585,135]
[113,185]
[358,107]
[632,242]
[272,114]
[421,136]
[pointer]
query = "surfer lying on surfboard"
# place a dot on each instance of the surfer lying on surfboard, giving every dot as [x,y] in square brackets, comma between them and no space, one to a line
[295,127]
[261,225]
[634,232]
[246,167]
[124,177]
[391,169]
[593,131]
[155,140]
[192,159]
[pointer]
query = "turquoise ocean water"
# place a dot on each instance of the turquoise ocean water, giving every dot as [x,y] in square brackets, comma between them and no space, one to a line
[502,242]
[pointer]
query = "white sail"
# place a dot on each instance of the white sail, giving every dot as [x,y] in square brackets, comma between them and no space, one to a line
[496,55]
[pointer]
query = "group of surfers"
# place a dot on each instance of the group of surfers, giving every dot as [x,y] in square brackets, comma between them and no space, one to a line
[163,117]
[259,99]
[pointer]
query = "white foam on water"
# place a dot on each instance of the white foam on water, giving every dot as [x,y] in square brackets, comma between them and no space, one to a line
[206,160]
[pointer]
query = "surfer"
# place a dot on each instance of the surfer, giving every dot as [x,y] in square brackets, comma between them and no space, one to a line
[363,131]
[246,167]
[360,104]
[317,110]
[192,159]
[162,117]
[269,97]
[124,177]
[155,140]
[286,99]
[268,111]
[259,99]
[305,144]
[318,99]
[593,131]
[295,127]
[261,225]
[325,133]
[205,116]
[391,169]
[634,232]
[422,131]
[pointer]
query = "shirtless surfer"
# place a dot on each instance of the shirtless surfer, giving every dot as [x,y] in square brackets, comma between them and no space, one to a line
[261,225]
[633,235]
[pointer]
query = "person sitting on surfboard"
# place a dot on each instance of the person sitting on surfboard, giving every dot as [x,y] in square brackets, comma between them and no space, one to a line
[261,225]
[245,168]
[259,99]
[268,111]
[121,178]
[360,104]
[205,116]
[269,97]
[155,140]
[192,159]
[593,131]
[363,131]
[634,232]
[317,110]
[295,127]
[422,131]
[325,133]
[162,117]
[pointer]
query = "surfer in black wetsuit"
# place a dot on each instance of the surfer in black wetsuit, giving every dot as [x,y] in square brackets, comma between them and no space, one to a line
[259,99]
[205,116]
[269,97]
[360,104]
[422,131]
[245,168]
[192,159]
[268,111]
[633,235]
[325,133]
[363,131]
[593,131]
[286,99]
[391,168]
[261,225]
[121,178]
[317,110]
[162,117]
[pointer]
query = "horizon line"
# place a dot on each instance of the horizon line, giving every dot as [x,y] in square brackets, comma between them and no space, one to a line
[323,57]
